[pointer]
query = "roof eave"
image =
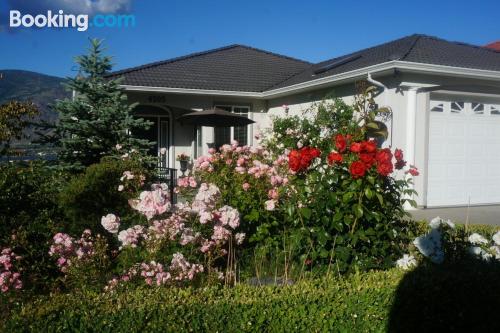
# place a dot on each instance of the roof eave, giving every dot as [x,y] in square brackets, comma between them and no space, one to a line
[332,80]
[448,70]
[127,87]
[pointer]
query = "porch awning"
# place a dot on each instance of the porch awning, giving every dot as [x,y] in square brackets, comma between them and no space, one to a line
[214,118]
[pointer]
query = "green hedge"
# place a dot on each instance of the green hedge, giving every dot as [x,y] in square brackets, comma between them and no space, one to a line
[429,298]
[361,302]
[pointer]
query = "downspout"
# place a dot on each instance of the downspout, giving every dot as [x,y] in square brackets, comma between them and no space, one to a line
[384,88]
[378,84]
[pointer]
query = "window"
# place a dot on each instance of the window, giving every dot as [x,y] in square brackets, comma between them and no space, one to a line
[224,135]
[240,133]
[457,107]
[198,142]
[495,110]
[477,108]
[437,106]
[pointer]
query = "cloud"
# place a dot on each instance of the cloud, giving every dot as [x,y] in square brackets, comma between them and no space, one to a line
[90,7]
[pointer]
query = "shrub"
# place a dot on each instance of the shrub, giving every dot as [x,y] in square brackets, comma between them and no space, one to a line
[359,303]
[248,177]
[96,192]
[426,299]
[197,238]
[344,202]
[442,241]
[320,189]
[30,216]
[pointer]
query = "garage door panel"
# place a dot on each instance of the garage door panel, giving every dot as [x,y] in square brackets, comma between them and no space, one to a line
[437,172]
[464,156]
[437,152]
[456,150]
[455,129]
[437,126]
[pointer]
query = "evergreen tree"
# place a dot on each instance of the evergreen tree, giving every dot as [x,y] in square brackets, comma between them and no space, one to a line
[98,117]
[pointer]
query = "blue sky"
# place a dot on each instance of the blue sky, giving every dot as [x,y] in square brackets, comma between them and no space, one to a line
[310,30]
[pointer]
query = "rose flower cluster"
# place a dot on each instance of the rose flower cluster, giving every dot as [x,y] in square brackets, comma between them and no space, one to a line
[358,156]
[300,160]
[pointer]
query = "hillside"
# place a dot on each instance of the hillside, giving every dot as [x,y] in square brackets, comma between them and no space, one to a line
[43,90]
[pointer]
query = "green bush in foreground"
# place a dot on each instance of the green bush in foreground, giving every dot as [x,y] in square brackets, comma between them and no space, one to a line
[429,298]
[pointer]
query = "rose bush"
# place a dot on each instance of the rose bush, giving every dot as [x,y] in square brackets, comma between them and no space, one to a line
[195,237]
[318,186]
[250,180]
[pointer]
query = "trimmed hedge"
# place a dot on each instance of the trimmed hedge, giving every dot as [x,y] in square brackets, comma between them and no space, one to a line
[429,298]
[361,302]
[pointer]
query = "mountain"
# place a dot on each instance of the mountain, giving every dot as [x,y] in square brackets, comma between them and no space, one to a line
[39,88]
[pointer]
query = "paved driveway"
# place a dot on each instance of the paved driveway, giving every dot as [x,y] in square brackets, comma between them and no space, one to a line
[477,214]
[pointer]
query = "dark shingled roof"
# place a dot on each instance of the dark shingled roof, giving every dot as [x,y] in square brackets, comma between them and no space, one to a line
[234,68]
[242,68]
[414,48]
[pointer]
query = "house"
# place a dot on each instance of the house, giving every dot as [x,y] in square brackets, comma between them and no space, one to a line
[445,98]
[494,46]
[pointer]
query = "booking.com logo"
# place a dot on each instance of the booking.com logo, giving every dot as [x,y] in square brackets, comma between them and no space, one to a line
[61,20]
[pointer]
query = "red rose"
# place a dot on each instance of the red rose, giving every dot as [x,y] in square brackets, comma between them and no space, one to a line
[369,146]
[384,156]
[314,152]
[300,160]
[340,143]
[398,154]
[357,169]
[356,147]
[400,164]
[367,159]
[384,168]
[413,171]
[294,160]
[334,157]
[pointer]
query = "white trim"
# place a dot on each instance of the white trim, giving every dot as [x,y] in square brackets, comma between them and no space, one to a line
[455,71]
[411,132]
[324,81]
[466,93]
[191,91]
[330,79]
[171,148]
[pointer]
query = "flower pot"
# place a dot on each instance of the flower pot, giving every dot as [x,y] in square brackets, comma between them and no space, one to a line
[184,166]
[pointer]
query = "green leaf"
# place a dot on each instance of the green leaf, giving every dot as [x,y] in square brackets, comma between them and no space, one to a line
[384,109]
[347,196]
[380,198]
[358,210]
[306,212]
[372,125]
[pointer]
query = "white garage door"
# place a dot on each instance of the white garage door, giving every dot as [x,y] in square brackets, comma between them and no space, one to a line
[464,153]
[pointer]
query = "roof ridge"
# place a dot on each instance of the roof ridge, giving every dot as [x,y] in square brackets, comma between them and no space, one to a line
[197,54]
[417,37]
[171,60]
[274,54]
[369,48]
